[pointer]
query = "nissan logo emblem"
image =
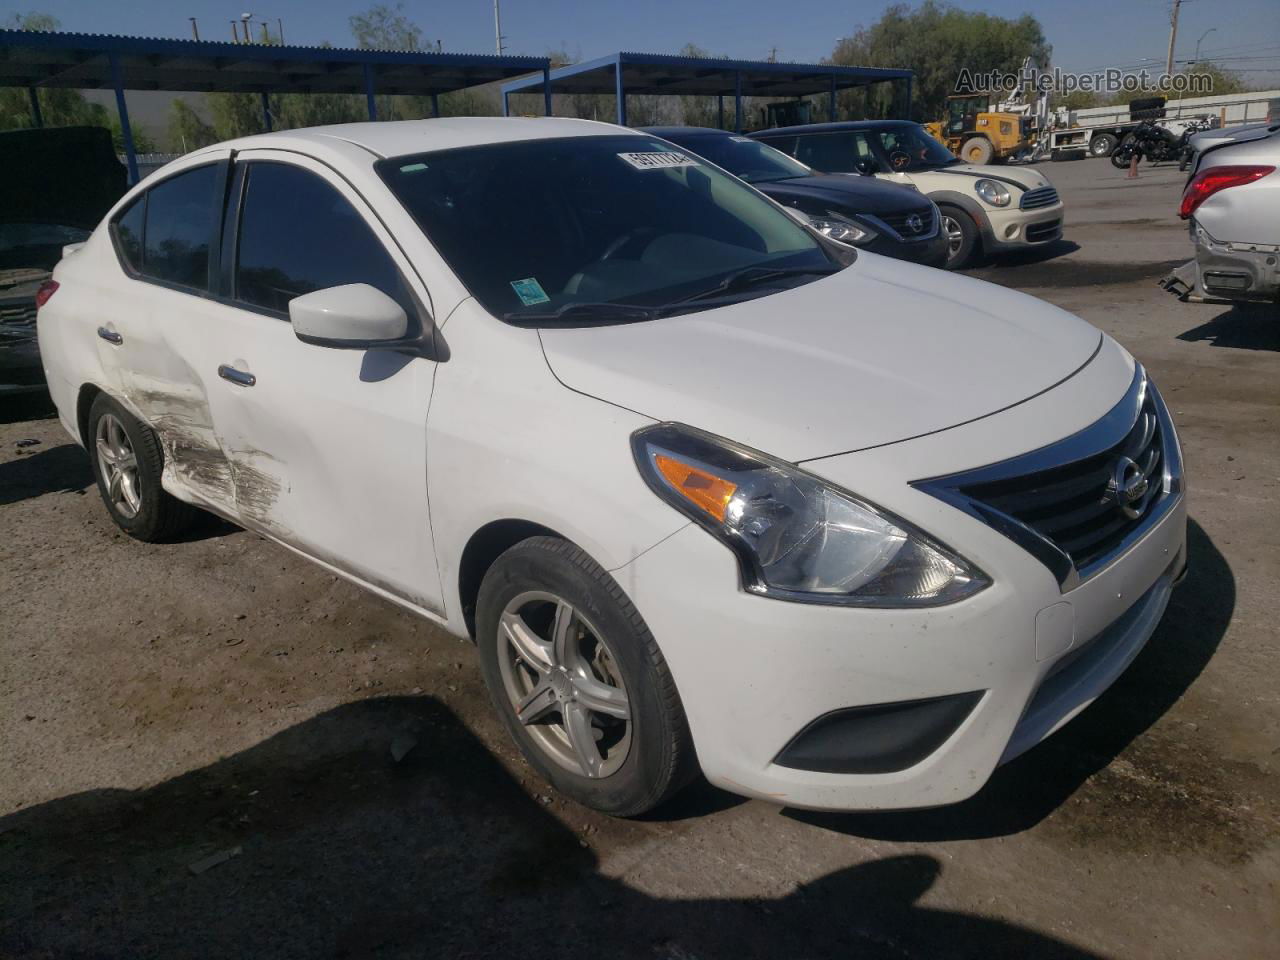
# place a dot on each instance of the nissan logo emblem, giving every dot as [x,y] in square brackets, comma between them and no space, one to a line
[914,223]
[1128,487]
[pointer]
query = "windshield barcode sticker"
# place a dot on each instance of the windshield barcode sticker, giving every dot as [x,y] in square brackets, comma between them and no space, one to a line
[658,161]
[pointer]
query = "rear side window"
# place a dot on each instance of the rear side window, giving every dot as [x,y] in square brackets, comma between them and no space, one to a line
[299,234]
[178,227]
[129,232]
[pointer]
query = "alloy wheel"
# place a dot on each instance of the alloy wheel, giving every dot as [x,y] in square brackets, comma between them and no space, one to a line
[564,685]
[955,235]
[119,466]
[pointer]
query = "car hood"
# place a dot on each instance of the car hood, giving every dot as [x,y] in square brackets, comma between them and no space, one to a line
[882,351]
[844,193]
[1026,177]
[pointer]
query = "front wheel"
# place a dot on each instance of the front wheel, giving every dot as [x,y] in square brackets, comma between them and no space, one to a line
[977,150]
[579,681]
[1121,156]
[963,238]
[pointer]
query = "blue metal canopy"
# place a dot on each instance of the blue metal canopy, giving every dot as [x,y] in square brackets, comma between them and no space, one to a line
[34,59]
[660,74]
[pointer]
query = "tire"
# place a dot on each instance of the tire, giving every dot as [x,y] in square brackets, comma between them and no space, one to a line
[977,150]
[127,462]
[1121,157]
[640,761]
[1103,144]
[1066,156]
[964,239]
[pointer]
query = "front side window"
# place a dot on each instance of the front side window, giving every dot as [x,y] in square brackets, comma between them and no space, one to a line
[179,220]
[535,227]
[911,148]
[299,234]
[829,152]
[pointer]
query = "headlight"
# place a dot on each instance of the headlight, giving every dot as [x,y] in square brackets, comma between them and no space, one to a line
[797,537]
[837,228]
[993,192]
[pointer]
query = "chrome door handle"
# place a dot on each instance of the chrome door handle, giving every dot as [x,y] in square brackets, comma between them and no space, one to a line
[238,377]
[110,336]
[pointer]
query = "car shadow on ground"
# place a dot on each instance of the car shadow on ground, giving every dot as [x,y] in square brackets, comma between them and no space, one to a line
[1024,258]
[27,406]
[339,851]
[1025,791]
[1244,327]
[60,469]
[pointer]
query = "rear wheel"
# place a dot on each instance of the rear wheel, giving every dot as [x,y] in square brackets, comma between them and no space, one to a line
[963,238]
[1102,144]
[127,462]
[977,150]
[579,681]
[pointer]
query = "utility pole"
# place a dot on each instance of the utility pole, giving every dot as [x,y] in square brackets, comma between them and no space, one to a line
[1173,36]
[195,30]
[497,26]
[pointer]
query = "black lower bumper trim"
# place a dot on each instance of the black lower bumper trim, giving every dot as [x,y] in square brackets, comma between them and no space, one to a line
[883,738]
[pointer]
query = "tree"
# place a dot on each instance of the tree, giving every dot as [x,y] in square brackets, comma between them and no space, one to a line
[384,27]
[186,130]
[937,41]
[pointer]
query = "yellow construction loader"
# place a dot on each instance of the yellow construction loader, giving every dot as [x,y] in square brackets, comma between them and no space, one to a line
[976,133]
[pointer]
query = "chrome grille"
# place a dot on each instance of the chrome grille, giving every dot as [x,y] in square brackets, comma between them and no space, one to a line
[897,222]
[1074,506]
[1079,502]
[1039,197]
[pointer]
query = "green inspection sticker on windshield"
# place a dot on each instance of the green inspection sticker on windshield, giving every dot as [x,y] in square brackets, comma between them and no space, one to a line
[529,291]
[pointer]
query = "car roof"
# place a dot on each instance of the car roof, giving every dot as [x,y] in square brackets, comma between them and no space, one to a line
[670,132]
[395,138]
[835,127]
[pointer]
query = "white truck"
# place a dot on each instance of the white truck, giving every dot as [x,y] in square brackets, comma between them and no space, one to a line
[1070,141]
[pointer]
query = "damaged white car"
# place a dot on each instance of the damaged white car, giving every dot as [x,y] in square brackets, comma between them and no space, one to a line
[708,490]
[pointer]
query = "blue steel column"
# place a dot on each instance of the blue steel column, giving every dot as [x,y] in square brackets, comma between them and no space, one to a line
[620,92]
[720,110]
[266,112]
[368,92]
[831,107]
[906,110]
[36,118]
[435,105]
[737,100]
[546,91]
[126,132]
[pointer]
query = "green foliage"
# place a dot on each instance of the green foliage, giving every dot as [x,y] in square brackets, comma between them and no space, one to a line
[937,41]
[187,131]
[30,21]
[384,27]
[1224,81]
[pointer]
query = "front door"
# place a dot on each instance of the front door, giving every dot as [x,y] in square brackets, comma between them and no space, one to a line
[327,447]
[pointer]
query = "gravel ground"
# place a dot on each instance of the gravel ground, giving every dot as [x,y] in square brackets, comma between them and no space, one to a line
[200,738]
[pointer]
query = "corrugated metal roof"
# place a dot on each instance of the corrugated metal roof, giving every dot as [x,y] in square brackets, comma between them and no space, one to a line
[84,60]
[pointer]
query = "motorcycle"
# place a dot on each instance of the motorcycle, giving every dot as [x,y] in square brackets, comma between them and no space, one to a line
[1186,152]
[1155,143]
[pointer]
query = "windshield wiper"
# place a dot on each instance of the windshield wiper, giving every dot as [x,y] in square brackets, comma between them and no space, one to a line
[751,276]
[587,313]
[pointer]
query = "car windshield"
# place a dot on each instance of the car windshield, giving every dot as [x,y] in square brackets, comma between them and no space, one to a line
[559,226]
[907,148]
[747,159]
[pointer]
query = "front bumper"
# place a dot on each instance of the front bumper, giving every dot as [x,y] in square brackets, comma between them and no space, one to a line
[1009,665]
[1013,229]
[930,253]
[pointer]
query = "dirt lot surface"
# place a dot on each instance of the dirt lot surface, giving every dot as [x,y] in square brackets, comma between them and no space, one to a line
[198,738]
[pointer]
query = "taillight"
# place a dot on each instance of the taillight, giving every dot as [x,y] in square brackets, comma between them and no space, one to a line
[1208,182]
[47,290]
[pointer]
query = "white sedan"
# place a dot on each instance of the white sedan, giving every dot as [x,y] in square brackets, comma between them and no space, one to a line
[708,491]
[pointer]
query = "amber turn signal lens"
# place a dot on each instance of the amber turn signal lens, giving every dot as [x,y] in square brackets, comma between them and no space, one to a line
[704,490]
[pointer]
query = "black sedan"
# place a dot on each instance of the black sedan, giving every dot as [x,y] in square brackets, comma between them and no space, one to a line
[860,211]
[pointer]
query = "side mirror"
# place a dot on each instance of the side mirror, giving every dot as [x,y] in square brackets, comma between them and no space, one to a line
[354,316]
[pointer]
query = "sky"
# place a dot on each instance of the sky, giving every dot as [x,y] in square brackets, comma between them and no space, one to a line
[1085,34]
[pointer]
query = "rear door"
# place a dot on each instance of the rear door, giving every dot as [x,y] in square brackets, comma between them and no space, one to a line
[154,337]
[327,447]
